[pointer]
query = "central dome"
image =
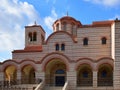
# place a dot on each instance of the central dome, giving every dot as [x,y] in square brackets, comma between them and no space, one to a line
[68,24]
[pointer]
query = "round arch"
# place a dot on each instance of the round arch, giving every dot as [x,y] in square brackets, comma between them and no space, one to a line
[28,62]
[9,63]
[62,32]
[52,56]
[55,72]
[105,61]
[10,75]
[105,75]
[84,75]
[82,61]
[28,74]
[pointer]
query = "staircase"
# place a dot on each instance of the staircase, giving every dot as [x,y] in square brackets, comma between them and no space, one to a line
[52,88]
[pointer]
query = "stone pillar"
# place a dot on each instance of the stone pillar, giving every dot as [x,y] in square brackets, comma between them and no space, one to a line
[116,78]
[1,79]
[117,56]
[72,77]
[40,76]
[95,79]
[1,76]
[18,77]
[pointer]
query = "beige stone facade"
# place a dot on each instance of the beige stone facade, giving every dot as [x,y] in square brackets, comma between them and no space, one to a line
[87,57]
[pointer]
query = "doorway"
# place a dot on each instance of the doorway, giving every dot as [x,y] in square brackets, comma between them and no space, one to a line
[59,77]
[59,80]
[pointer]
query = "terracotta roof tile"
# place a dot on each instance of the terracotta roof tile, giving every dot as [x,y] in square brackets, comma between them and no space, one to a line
[29,49]
[100,24]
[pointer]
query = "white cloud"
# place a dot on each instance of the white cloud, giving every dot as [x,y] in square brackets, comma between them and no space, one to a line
[14,15]
[50,19]
[108,3]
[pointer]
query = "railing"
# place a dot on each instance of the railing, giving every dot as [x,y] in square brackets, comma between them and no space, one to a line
[19,85]
[65,86]
[105,82]
[85,82]
[40,86]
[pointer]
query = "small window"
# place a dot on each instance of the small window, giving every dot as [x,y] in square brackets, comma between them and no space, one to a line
[57,47]
[62,47]
[30,36]
[34,36]
[60,71]
[57,27]
[42,38]
[72,28]
[104,40]
[85,41]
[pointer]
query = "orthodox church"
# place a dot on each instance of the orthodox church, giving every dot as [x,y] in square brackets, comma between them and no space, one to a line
[73,57]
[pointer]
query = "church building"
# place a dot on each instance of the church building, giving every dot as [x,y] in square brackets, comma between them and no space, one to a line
[73,57]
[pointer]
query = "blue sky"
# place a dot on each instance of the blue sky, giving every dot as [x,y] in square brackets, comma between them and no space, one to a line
[15,14]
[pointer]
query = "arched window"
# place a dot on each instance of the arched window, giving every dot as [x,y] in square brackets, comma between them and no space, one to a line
[57,27]
[60,71]
[30,36]
[85,41]
[72,28]
[57,47]
[103,40]
[62,47]
[42,38]
[34,36]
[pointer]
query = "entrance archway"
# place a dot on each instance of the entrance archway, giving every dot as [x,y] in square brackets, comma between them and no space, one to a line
[55,73]
[105,75]
[10,75]
[84,75]
[59,77]
[28,75]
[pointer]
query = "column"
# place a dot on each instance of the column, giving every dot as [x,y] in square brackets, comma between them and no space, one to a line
[18,77]
[40,76]
[116,78]
[72,76]
[116,53]
[1,78]
[95,79]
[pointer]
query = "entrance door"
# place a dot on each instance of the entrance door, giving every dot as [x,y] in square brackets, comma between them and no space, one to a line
[59,80]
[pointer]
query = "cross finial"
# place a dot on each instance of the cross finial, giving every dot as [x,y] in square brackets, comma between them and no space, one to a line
[35,23]
[67,13]
[116,19]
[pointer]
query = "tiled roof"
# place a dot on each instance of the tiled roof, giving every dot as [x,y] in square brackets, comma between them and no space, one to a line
[100,24]
[29,49]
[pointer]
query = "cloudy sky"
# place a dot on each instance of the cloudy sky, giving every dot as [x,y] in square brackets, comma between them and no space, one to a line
[15,14]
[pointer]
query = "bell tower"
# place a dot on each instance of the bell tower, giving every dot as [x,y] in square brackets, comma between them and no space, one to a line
[34,35]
